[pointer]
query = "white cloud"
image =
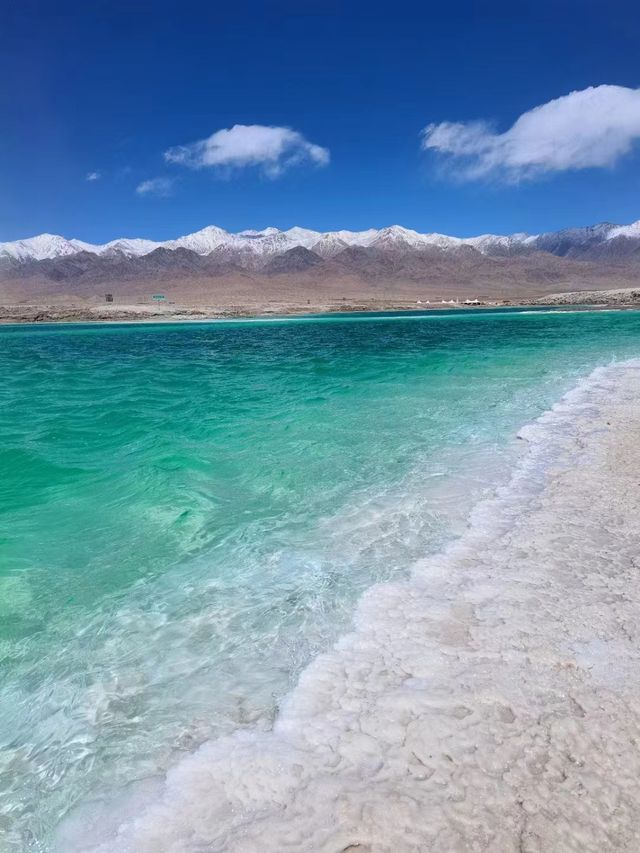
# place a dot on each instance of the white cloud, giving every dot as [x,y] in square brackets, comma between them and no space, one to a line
[161,187]
[591,128]
[93,176]
[272,149]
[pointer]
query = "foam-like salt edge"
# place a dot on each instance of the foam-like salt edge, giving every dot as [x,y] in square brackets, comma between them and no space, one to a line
[489,703]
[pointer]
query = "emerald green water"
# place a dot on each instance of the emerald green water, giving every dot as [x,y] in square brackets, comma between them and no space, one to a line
[189,513]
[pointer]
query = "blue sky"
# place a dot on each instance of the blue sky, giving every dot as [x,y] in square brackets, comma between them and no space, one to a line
[128,91]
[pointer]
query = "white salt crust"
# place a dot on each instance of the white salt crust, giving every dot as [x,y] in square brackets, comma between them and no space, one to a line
[489,703]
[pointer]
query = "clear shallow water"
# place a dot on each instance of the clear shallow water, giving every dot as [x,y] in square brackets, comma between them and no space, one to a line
[189,513]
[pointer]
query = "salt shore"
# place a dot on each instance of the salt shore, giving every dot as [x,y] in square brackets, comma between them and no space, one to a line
[489,703]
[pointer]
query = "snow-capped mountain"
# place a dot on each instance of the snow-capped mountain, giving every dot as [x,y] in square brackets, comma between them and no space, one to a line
[135,247]
[630,231]
[266,243]
[44,246]
[493,244]
[257,248]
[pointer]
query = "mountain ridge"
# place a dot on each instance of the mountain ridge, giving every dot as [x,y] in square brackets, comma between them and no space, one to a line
[253,248]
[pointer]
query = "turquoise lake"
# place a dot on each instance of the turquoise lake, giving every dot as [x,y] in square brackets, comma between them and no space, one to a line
[189,513]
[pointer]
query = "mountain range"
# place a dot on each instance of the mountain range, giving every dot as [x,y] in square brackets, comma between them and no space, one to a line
[216,265]
[256,248]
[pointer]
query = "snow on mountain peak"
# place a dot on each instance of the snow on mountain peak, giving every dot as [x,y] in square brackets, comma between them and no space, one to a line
[202,242]
[132,247]
[487,243]
[266,232]
[632,230]
[269,241]
[302,236]
[42,247]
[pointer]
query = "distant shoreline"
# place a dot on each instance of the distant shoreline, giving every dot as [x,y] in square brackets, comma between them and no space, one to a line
[175,313]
